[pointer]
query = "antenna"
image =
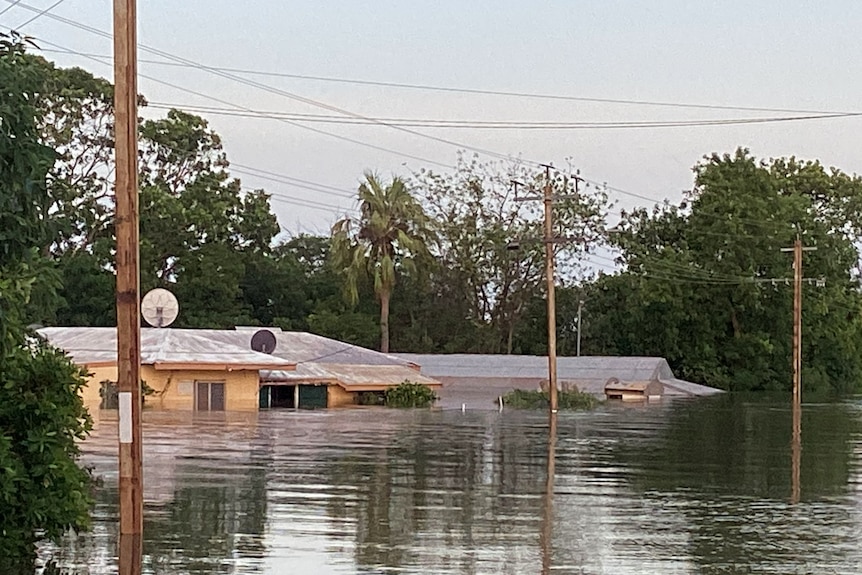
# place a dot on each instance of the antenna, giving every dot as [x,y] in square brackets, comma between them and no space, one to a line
[263,341]
[159,307]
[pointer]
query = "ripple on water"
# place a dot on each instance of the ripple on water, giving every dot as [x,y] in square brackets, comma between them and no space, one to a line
[700,487]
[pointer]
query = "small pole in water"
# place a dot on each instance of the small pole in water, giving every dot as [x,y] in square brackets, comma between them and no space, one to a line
[463,408]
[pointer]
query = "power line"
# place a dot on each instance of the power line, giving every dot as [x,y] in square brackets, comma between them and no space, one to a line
[515,94]
[283,93]
[488,124]
[290,180]
[300,98]
[12,4]
[39,15]
[240,107]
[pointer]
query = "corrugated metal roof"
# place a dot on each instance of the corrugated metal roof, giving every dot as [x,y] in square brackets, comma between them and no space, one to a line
[93,345]
[301,347]
[349,375]
[315,358]
[588,373]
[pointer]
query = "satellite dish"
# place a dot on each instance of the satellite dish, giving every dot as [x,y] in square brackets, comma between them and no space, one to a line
[263,341]
[159,307]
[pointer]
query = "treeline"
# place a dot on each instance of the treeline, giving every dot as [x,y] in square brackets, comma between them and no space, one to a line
[425,264]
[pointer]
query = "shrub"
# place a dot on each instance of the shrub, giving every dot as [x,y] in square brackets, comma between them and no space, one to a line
[43,491]
[409,394]
[535,399]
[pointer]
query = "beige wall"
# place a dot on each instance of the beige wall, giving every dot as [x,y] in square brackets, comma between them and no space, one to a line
[337,396]
[174,390]
[90,393]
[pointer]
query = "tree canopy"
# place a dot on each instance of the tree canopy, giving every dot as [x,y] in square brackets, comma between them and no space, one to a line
[424,267]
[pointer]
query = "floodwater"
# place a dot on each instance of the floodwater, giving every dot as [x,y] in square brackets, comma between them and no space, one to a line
[705,486]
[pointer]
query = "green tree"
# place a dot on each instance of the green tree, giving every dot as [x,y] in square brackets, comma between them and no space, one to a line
[476,216]
[43,491]
[698,287]
[391,233]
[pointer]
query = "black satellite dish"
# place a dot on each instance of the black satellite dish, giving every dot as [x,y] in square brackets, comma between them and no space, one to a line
[263,341]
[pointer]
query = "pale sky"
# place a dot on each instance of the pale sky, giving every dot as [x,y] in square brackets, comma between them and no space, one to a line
[776,54]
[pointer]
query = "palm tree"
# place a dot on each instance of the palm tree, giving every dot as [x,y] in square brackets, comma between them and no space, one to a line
[390,233]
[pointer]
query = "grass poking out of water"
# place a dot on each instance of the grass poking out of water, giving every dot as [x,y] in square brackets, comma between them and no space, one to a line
[534,399]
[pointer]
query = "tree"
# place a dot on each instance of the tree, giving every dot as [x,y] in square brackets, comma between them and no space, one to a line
[476,216]
[391,233]
[198,226]
[704,281]
[43,491]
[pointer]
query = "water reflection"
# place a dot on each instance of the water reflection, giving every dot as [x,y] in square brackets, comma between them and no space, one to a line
[796,453]
[695,487]
[548,504]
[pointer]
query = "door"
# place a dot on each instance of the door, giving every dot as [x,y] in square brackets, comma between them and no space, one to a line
[312,396]
[209,396]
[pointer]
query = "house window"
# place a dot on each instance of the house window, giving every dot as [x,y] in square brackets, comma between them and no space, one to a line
[209,396]
[108,393]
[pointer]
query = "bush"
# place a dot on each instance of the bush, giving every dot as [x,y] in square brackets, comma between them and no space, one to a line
[409,394]
[535,399]
[43,491]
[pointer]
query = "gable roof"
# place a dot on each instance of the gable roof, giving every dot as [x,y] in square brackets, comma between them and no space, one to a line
[589,373]
[163,348]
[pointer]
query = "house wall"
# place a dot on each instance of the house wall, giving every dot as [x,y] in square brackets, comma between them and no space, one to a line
[337,396]
[90,392]
[174,390]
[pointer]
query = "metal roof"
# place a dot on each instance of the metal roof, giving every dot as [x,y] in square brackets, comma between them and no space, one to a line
[302,347]
[98,345]
[492,375]
[349,376]
[298,357]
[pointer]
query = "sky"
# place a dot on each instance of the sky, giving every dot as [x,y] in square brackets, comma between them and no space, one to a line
[772,54]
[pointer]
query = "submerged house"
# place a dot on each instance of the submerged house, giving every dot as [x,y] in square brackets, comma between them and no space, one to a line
[477,380]
[217,370]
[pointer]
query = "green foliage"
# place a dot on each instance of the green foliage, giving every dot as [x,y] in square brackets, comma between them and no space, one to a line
[43,492]
[535,399]
[697,286]
[476,216]
[409,394]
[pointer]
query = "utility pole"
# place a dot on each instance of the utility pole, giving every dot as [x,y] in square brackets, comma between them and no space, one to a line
[548,200]
[580,307]
[797,250]
[128,281]
[796,407]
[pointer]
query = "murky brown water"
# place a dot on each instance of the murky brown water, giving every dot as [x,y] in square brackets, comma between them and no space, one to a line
[702,487]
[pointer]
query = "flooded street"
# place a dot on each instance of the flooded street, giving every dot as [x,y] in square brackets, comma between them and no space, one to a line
[693,487]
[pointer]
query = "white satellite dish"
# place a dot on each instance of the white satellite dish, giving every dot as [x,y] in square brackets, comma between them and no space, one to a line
[159,307]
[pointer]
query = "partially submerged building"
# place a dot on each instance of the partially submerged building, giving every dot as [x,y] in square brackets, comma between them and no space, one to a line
[217,370]
[479,380]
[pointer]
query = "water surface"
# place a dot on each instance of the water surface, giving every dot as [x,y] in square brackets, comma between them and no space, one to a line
[690,487]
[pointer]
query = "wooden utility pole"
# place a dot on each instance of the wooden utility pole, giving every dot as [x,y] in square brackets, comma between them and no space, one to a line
[797,321]
[128,272]
[797,250]
[580,316]
[796,407]
[548,199]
